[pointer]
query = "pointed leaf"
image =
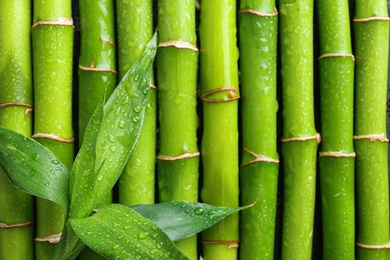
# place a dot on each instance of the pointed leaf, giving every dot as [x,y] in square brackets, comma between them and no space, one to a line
[122,122]
[83,177]
[118,232]
[110,137]
[184,219]
[33,168]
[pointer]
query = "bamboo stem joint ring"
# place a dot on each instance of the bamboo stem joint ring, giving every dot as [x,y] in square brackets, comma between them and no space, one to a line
[369,19]
[29,108]
[338,154]
[179,157]
[93,69]
[233,95]
[60,21]
[374,247]
[178,45]
[25,224]
[258,13]
[53,137]
[317,137]
[328,55]
[258,158]
[372,138]
[108,41]
[52,239]
[230,243]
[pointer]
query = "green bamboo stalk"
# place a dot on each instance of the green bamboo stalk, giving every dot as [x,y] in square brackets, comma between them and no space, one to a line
[177,57]
[336,158]
[371,24]
[17,207]
[219,93]
[135,28]
[97,69]
[52,37]
[258,25]
[300,139]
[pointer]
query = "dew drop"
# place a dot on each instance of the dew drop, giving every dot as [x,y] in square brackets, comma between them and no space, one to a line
[143,235]
[100,178]
[199,211]
[122,124]
[136,77]
[55,162]
[135,119]
[46,183]
[115,247]
[137,108]
[117,111]
[113,149]
[111,138]
[127,227]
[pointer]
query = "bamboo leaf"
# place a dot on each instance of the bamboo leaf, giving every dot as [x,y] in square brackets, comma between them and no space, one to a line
[184,219]
[33,168]
[123,118]
[118,232]
[110,137]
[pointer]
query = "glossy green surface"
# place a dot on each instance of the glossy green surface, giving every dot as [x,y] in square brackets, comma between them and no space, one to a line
[134,30]
[218,69]
[15,86]
[299,157]
[371,52]
[258,181]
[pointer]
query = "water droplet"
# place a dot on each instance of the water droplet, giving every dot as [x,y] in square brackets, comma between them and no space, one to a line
[100,178]
[137,108]
[56,162]
[127,227]
[199,211]
[111,138]
[46,183]
[143,235]
[159,245]
[135,119]
[146,90]
[115,247]
[136,77]
[113,149]
[117,111]
[126,114]
[121,124]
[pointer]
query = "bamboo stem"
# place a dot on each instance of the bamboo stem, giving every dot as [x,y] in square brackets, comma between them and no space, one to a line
[219,93]
[177,56]
[336,159]
[259,168]
[371,24]
[17,207]
[135,28]
[52,35]
[300,140]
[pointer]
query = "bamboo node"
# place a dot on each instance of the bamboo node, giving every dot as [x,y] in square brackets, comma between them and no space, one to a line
[53,137]
[369,19]
[52,239]
[372,138]
[258,13]
[373,247]
[93,69]
[179,157]
[233,94]
[338,154]
[178,45]
[108,41]
[317,137]
[61,21]
[230,243]
[29,108]
[17,225]
[258,158]
[328,55]
[152,86]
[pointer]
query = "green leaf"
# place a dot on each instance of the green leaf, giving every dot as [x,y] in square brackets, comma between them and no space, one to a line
[111,136]
[33,168]
[118,232]
[184,219]
[83,177]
